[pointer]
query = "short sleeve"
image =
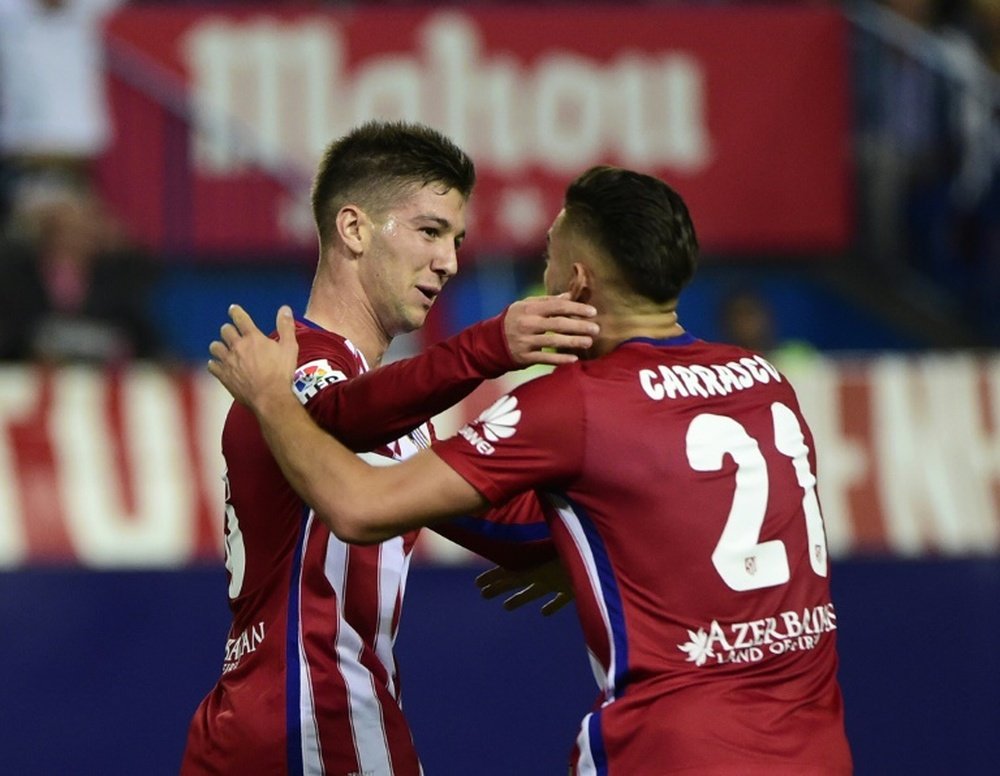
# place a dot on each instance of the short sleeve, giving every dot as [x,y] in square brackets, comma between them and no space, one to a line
[530,439]
[323,361]
[374,408]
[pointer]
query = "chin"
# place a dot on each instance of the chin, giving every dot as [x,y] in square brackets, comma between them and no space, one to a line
[414,321]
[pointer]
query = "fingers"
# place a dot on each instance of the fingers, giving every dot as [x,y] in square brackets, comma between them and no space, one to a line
[549,330]
[526,596]
[492,577]
[492,591]
[553,359]
[561,325]
[218,350]
[216,366]
[498,580]
[499,587]
[230,334]
[244,323]
[558,313]
[284,322]
[550,306]
[563,329]
[488,576]
[558,602]
[567,333]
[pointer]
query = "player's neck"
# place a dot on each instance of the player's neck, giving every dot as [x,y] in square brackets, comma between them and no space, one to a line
[345,309]
[619,326]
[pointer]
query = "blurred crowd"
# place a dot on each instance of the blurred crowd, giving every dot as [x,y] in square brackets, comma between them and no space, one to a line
[927,89]
[73,287]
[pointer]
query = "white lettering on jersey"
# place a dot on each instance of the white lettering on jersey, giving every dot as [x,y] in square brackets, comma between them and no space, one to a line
[241,645]
[749,642]
[314,376]
[679,381]
[496,423]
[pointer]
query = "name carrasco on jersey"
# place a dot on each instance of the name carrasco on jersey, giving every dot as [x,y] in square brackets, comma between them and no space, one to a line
[677,381]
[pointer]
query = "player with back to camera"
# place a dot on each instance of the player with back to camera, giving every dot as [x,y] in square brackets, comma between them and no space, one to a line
[309,682]
[678,477]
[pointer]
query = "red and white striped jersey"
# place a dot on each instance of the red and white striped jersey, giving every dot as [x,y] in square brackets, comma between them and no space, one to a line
[681,489]
[309,681]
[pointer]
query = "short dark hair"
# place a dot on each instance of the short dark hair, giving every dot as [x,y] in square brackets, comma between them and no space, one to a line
[641,223]
[375,164]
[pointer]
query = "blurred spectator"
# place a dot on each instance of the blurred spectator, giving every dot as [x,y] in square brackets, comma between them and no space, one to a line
[909,146]
[71,287]
[982,212]
[928,146]
[747,319]
[53,116]
[984,25]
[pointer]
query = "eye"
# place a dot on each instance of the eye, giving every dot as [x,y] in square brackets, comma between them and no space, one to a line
[430,231]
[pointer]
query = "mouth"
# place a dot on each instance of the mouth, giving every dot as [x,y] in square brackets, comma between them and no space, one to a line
[429,292]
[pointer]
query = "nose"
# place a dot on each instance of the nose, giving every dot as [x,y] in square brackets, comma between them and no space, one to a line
[445,264]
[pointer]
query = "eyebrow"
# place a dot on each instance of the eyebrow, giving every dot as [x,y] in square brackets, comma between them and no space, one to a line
[443,223]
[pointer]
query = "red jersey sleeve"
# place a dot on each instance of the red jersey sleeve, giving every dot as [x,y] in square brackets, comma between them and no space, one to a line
[515,535]
[379,406]
[532,438]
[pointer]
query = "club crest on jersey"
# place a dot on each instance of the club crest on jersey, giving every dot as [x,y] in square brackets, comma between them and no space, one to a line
[313,376]
[496,423]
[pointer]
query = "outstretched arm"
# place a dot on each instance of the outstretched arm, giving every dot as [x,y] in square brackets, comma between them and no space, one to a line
[406,393]
[514,535]
[358,502]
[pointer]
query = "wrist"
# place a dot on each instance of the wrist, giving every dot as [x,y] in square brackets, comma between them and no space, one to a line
[274,402]
[494,354]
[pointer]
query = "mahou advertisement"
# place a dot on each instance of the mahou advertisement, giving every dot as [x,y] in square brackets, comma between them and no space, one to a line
[222,114]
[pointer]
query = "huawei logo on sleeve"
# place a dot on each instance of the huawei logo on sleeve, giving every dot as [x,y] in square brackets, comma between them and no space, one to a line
[500,420]
[497,423]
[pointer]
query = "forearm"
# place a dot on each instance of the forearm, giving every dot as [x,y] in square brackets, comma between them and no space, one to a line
[382,405]
[314,463]
[358,502]
[515,535]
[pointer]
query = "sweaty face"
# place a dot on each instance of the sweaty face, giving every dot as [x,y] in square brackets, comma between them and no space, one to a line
[413,254]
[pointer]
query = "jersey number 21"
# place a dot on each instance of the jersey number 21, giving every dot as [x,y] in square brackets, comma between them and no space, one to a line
[742,560]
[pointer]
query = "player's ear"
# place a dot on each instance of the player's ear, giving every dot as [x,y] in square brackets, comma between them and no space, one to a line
[353,227]
[580,285]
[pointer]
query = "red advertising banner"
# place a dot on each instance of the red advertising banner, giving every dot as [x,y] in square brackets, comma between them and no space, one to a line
[221,114]
[123,469]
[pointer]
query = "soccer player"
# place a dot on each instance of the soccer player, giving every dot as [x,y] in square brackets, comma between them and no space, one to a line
[309,682]
[679,478]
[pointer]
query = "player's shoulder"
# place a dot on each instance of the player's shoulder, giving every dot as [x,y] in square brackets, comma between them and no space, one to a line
[325,358]
[310,336]
[316,343]
[723,354]
[559,390]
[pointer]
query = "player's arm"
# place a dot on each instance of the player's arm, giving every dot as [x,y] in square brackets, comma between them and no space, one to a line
[359,503]
[406,393]
[514,535]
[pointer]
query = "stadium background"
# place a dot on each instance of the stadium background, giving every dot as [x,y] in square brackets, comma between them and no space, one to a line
[778,124]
